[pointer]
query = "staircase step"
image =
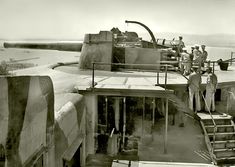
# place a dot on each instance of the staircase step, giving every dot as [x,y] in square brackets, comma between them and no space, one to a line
[224,153]
[209,122]
[220,128]
[224,149]
[207,116]
[223,144]
[218,119]
[222,136]
[223,133]
[225,160]
[223,141]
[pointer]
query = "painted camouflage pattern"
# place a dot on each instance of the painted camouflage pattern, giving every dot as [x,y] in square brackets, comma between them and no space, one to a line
[26,113]
[31,116]
[70,122]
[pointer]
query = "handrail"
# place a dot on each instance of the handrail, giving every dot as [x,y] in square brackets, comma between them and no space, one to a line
[215,126]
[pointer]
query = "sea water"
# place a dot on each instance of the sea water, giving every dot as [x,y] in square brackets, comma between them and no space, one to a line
[216,53]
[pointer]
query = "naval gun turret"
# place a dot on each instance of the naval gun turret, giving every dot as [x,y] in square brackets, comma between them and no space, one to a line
[111,50]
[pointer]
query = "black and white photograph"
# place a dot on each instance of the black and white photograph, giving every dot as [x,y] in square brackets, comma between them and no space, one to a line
[117,83]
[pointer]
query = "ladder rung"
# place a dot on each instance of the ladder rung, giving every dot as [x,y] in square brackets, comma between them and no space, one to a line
[223,141]
[218,126]
[226,158]
[225,133]
[224,149]
[218,118]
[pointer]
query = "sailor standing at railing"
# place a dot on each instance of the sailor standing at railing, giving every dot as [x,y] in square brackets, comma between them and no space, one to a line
[191,54]
[194,84]
[186,62]
[210,90]
[179,50]
[181,44]
[197,57]
[204,54]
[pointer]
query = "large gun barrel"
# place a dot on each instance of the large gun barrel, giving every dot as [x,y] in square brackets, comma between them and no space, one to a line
[62,46]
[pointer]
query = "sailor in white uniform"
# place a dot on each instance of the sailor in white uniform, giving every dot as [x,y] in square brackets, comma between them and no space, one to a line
[194,83]
[210,91]
[186,62]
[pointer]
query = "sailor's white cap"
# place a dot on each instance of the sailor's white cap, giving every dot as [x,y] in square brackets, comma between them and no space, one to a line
[184,49]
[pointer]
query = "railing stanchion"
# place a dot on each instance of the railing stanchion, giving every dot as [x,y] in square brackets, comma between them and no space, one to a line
[166,128]
[93,75]
[158,77]
[165,76]
[231,62]
[213,67]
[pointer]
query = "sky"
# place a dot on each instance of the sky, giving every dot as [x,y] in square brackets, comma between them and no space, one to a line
[71,19]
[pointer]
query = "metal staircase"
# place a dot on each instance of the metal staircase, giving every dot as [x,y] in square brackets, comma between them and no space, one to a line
[221,142]
[219,132]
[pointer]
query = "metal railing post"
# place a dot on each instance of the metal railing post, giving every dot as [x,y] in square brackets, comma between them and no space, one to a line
[106,113]
[165,76]
[158,77]
[124,121]
[93,75]
[154,107]
[231,62]
[143,116]
[213,68]
[166,127]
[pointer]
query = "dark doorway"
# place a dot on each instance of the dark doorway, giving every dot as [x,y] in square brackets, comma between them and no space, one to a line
[118,57]
[218,95]
[75,162]
[2,156]
[39,162]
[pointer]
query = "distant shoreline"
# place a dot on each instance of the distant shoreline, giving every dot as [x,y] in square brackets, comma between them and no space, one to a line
[217,46]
